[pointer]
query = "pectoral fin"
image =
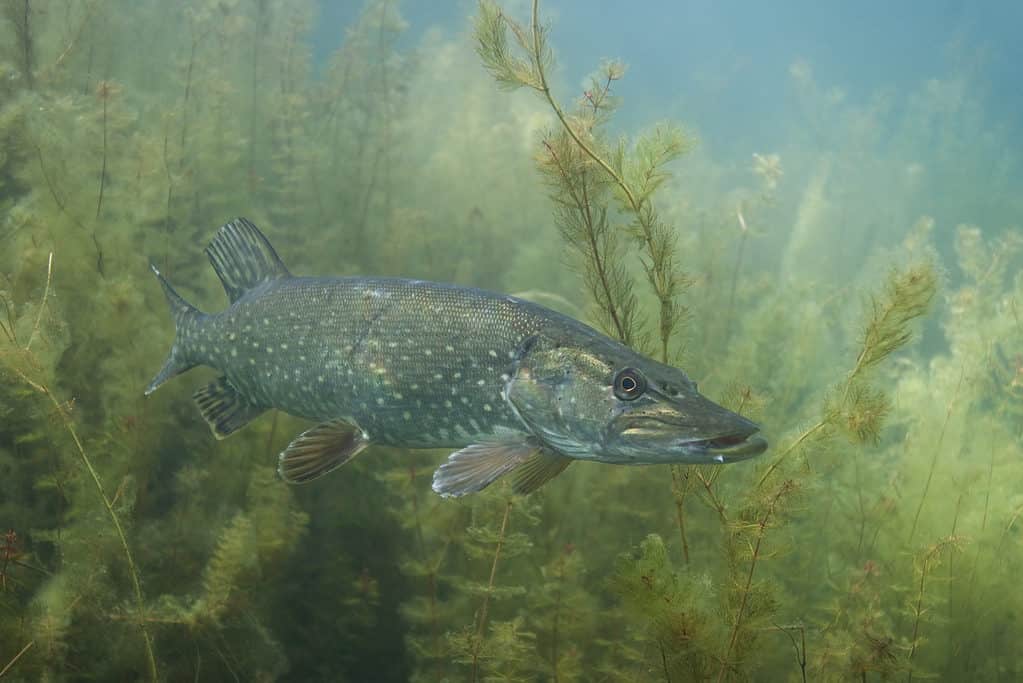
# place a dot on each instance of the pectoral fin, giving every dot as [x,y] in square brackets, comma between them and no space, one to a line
[223,408]
[320,450]
[476,466]
[539,469]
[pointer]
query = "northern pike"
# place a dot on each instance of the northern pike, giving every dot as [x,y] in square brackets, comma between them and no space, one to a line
[513,386]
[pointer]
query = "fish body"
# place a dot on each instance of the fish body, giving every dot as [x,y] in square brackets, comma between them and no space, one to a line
[410,363]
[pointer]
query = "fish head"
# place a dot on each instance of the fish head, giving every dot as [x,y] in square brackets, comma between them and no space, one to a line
[613,405]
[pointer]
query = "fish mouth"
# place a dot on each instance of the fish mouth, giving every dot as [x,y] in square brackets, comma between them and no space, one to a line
[699,433]
[728,448]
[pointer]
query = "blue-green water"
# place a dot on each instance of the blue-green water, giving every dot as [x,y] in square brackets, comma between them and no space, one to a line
[814,210]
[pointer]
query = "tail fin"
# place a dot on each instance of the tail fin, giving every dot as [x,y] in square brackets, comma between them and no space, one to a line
[182,311]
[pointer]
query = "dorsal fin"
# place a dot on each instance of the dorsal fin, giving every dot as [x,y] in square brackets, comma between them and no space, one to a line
[243,258]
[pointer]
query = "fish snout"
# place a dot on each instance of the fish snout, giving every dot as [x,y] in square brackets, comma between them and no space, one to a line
[718,434]
[693,430]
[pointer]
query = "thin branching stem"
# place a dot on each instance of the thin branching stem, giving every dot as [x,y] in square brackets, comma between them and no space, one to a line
[735,274]
[115,520]
[792,446]
[14,660]
[557,618]
[9,328]
[933,553]
[89,9]
[105,96]
[680,478]
[983,525]
[481,627]
[196,39]
[936,451]
[664,661]
[545,90]
[712,498]
[582,204]
[111,512]
[799,647]
[662,281]
[431,578]
[50,185]
[761,528]
[42,304]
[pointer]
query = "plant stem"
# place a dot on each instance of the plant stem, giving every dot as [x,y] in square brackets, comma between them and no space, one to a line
[777,461]
[42,304]
[11,663]
[111,512]
[431,577]
[114,519]
[664,661]
[546,92]
[934,457]
[188,93]
[917,613]
[800,651]
[103,169]
[170,197]
[481,627]
[714,501]
[661,281]
[761,530]
[557,618]
[19,14]
[735,278]
[680,487]
[581,199]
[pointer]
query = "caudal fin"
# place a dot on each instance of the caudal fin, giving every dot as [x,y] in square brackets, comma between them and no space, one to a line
[182,312]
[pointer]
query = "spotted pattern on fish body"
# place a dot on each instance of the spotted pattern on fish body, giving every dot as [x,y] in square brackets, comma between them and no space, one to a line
[400,362]
[375,351]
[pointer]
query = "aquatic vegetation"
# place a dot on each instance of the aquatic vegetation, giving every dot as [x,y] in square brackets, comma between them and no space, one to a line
[584,171]
[849,288]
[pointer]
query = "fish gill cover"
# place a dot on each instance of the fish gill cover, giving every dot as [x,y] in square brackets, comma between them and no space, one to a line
[830,284]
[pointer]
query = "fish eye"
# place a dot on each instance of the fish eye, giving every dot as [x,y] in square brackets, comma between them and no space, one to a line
[629,384]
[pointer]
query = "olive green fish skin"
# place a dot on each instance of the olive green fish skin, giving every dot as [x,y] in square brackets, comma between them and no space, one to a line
[412,363]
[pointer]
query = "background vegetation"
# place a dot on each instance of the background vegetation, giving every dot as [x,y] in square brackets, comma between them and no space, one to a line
[810,289]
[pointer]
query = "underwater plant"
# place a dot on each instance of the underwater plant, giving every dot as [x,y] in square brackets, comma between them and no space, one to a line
[854,288]
[27,367]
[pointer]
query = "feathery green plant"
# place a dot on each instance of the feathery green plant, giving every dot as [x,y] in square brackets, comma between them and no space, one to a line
[583,169]
[675,607]
[20,361]
[858,409]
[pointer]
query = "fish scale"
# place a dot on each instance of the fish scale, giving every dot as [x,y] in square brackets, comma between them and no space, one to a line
[514,386]
[409,362]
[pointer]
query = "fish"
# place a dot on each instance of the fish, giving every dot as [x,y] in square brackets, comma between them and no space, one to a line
[514,387]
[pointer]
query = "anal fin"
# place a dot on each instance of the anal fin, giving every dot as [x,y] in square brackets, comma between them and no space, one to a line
[319,450]
[224,409]
[477,466]
[539,469]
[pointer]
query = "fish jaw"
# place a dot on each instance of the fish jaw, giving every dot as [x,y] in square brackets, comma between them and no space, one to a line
[689,429]
[722,451]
